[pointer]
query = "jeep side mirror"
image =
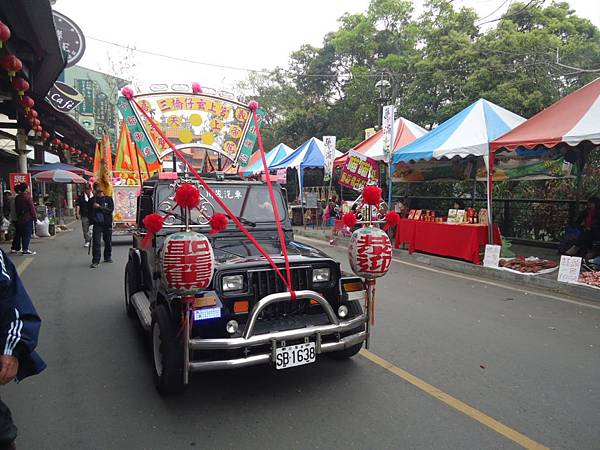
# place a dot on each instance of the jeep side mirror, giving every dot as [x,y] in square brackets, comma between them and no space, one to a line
[145,207]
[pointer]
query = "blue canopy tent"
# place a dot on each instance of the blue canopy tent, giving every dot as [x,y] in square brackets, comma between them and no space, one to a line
[467,133]
[274,156]
[309,155]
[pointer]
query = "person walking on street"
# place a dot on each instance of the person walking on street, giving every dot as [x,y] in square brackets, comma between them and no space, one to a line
[19,330]
[12,218]
[26,217]
[83,212]
[100,215]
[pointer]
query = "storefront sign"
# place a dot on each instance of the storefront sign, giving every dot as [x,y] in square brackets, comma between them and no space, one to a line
[63,97]
[18,178]
[70,38]
[569,269]
[329,143]
[357,171]
[86,87]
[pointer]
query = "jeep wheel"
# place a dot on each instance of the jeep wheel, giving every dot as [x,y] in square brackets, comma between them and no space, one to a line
[354,309]
[167,352]
[131,287]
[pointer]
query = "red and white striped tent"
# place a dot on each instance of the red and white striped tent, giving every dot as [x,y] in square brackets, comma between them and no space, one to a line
[405,132]
[571,120]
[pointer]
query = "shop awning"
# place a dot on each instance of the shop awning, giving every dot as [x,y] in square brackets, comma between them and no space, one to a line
[274,156]
[571,120]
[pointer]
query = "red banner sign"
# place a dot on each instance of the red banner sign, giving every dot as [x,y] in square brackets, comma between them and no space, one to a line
[18,178]
[357,171]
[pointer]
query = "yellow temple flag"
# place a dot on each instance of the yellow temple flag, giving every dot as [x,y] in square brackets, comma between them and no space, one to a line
[105,167]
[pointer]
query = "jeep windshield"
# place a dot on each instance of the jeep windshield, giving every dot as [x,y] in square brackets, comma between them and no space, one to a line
[249,202]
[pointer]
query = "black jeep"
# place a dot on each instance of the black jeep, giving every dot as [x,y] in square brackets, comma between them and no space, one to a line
[246,316]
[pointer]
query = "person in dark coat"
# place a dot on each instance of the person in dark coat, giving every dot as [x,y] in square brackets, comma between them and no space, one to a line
[19,331]
[101,209]
[26,217]
[588,224]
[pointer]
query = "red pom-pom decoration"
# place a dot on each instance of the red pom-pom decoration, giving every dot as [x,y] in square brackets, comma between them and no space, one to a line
[153,224]
[218,222]
[196,88]
[372,195]
[127,92]
[20,85]
[4,33]
[392,219]
[253,105]
[187,196]
[349,219]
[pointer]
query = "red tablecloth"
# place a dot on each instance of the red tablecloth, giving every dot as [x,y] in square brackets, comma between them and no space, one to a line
[445,239]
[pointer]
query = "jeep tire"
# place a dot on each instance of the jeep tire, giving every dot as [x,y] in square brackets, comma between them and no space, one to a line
[354,310]
[167,352]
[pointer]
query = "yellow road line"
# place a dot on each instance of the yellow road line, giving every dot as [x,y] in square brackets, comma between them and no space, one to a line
[23,265]
[462,407]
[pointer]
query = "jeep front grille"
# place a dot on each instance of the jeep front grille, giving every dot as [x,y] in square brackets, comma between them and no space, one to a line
[265,282]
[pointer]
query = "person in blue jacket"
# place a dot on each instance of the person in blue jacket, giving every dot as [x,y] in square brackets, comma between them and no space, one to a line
[19,330]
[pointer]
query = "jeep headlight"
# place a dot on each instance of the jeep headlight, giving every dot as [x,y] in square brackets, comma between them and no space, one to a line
[321,275]
[233,283]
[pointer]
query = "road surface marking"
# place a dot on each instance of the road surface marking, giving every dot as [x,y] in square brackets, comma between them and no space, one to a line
[478,280]
[462,407]
[23,265]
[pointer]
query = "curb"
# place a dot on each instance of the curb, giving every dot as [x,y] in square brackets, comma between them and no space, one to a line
[572,290]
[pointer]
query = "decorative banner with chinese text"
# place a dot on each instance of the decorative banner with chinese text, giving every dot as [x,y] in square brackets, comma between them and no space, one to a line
[358,170]
[329,144]
[18,178]
[387,125]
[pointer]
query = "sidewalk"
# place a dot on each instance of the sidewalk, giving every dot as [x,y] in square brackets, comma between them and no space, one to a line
[547,281]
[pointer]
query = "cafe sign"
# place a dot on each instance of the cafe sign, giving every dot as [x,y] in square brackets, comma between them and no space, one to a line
[63,97]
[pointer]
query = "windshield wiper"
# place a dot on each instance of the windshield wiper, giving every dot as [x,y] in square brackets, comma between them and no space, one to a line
[246,221]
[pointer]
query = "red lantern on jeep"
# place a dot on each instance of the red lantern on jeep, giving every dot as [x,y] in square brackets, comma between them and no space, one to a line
[187,261]
[370,252]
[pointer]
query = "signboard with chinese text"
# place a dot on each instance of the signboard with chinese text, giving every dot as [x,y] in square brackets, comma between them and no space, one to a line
[329,144]
[388,130]
[70,38]
[195,121]
[491,257]
[18,178]
[125,198]
[357,171]
[568,271]
[86,87]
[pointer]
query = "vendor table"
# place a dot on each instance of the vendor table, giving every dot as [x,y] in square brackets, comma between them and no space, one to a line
[461,241]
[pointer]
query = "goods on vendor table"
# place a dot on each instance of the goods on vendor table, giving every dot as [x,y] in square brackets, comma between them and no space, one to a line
[591,278]
[527,265]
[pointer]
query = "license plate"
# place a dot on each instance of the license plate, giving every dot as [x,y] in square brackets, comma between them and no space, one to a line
[295,355]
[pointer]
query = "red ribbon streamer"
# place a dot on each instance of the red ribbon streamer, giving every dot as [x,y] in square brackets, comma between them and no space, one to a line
[275,209]
[212,193]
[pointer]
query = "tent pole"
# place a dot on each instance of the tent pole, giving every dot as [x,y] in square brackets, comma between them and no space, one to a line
[490,186]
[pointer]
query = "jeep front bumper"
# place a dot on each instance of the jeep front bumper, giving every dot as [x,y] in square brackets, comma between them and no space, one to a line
[249,339]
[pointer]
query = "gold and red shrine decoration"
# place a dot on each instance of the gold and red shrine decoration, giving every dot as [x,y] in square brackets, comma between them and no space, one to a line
[187,261]
[370,252]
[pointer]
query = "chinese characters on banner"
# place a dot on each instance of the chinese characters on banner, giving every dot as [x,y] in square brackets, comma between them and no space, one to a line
[388,130]
[18,178]
[187,261]
[358,170]
[370,252]
[329,142]
[125,198]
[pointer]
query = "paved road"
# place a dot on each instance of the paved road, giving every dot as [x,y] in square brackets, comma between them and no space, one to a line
[530,362]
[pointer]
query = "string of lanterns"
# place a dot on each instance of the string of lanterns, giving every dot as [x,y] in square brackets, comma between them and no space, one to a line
[12,64]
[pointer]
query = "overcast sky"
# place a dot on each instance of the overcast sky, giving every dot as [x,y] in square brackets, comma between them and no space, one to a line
[248,34]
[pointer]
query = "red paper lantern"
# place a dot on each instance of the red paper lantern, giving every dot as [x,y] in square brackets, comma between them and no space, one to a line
[187,261]
[38,128]
[11,64]
[370,252]
[45,135]
[32,113]
[27,102]
[4,33]
[20,85]
[35,122]
[56,141]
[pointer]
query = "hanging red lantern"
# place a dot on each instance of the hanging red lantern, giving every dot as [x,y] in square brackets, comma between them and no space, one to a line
[20,85]
[35,122]
[187,261]
[4,33]
[32,113]
[11,64]
[370,252]
[27,102]
[38,128]
[45,135]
